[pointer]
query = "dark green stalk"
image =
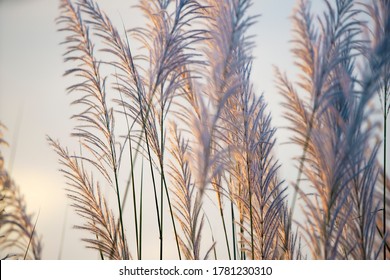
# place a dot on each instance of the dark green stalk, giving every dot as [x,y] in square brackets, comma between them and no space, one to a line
[131,177]
[384,167]
[171,211]
[154,183]
[134,198]
[111,143]
[243,255]
[162,174]
[114,166]
[159,214]
[162,181]
[225,230]
[233,231]
[164,184]
[144,120]
[119,204]
[140,206]
[219,199]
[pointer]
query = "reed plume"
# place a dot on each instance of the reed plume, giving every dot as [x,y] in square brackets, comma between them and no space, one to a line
[332,127]
[191,112]
[379,12]
[96,119]
[18,236]
[89,203]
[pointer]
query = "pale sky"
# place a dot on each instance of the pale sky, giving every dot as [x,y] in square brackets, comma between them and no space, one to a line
[34,103]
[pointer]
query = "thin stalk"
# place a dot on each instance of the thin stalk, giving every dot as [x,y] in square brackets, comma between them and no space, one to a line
[224,228]
[250,201]
[241,213]
[262,233]
[251,217]
[233,230]
[140,207]
[301,164]
[117,188]
[151,169]
[143,119]
[300,172]
[243,255]
[214,250]
[384,169]
[131,176]
[163,176]
[134,199]
[248,164]
[219,199]
[212,238]
[162,181]
[31,237]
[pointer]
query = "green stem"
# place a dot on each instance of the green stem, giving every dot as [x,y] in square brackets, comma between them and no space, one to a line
[140,207]
[224,230]
[144,125]
[162,181]
[384,174]
[131,176]
[243,255]
[119,206]
[153,180]
[114,167]
[134,199]
[233,231]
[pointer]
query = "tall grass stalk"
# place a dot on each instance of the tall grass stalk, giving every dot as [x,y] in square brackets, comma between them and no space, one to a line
[127,79]
[190,110]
